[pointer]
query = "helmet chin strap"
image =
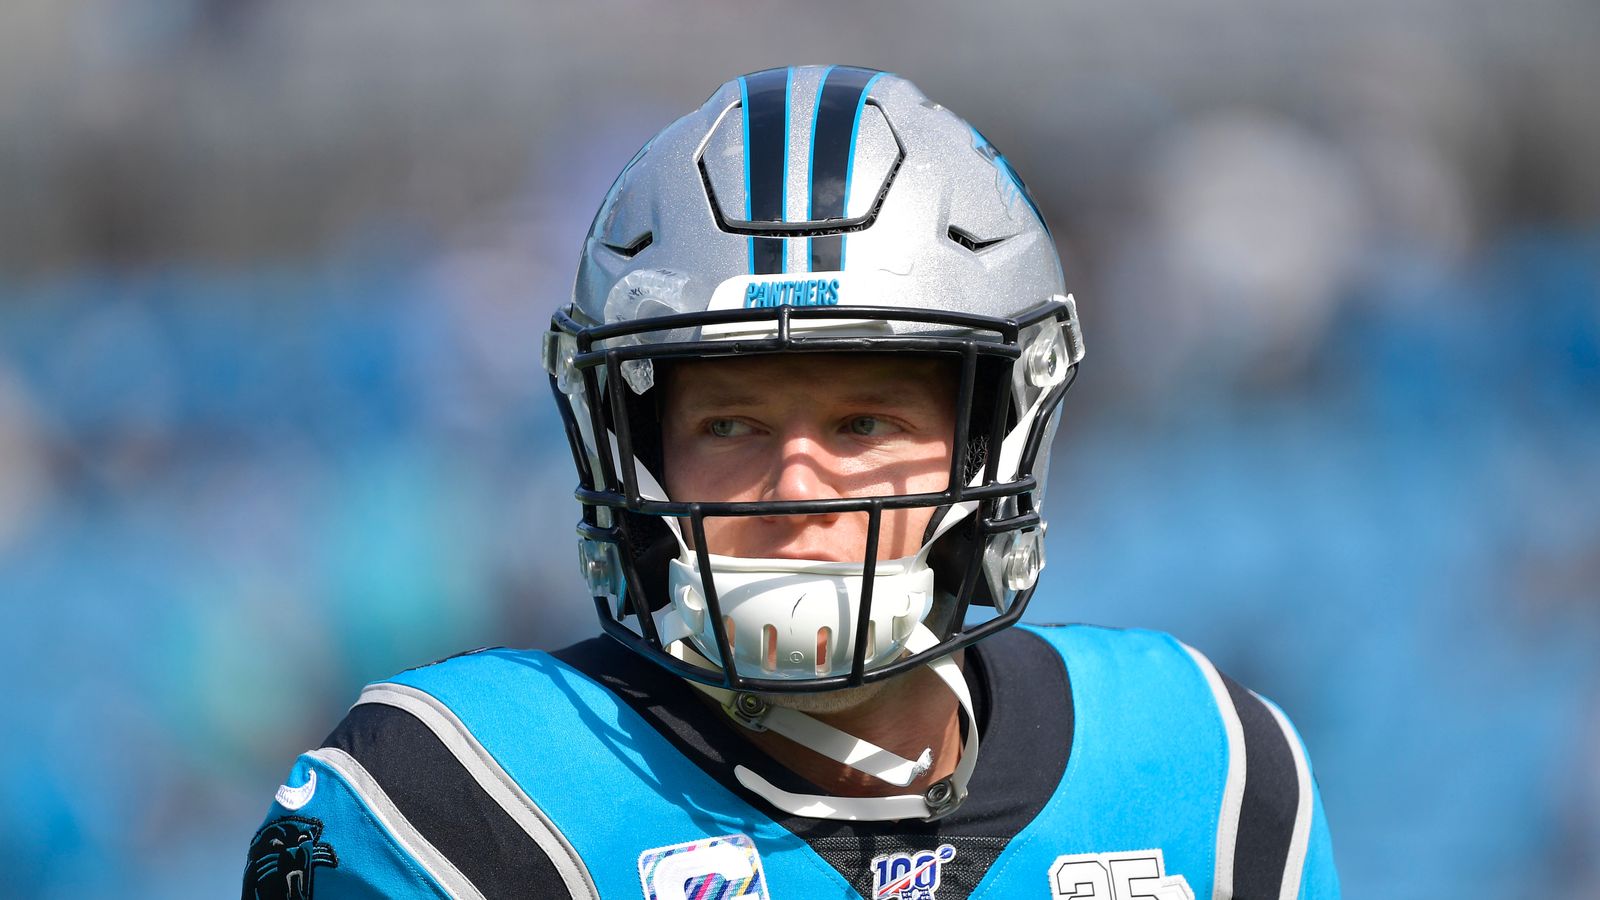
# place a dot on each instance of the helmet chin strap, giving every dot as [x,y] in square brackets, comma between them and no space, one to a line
[864,756]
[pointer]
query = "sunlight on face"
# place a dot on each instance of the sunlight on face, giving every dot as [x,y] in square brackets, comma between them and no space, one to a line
[809,427]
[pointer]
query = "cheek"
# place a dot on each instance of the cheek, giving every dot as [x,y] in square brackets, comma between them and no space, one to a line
[902,530]
[920,469]
[711,471]
[679,473]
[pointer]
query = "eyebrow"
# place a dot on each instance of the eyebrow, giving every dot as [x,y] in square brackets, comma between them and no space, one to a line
[720,395]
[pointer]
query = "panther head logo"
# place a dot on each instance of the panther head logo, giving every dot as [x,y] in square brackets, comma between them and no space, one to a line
[283,858]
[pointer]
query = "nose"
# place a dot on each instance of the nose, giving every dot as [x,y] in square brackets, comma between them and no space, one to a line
[803,469]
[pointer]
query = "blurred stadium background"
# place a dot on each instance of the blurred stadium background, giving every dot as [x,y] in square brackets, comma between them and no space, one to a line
[272,277]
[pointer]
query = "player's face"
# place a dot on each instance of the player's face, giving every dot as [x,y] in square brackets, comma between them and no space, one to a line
[809,427]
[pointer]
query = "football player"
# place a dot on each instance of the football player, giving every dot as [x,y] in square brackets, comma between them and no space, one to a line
[810,373]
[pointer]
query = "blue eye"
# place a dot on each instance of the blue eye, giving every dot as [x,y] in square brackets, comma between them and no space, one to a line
[724,427]
[865,426]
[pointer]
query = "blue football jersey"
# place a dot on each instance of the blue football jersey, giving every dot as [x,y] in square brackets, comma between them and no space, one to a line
[1116,765]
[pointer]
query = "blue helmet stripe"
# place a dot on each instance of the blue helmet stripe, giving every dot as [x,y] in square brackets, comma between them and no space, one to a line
[811,169]
[850,158]
[783,172]
[766,135]
[744,115]
[833,138]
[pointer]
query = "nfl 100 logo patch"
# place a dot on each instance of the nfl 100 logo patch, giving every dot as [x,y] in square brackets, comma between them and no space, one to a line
[909,876]
[719,868]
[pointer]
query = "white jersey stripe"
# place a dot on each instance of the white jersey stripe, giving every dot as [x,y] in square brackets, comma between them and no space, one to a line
[1233,789]
[494,780]
[389,816]
[1299,839]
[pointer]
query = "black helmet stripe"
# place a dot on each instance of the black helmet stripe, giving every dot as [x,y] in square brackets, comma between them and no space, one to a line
[765,96]
[833,139]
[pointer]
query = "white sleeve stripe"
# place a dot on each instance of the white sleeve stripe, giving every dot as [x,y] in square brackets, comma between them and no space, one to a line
[1300,838]
[494,780]
[1233,789]
[389,816]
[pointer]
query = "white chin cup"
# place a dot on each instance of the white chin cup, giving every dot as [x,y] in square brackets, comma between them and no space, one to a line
[796,619]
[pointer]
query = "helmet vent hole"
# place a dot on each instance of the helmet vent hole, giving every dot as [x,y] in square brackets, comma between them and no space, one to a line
[824,642]
[634,247]
[970,242]
[769,648]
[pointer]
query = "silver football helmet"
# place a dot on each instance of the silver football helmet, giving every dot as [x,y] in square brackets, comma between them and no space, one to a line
[803,210]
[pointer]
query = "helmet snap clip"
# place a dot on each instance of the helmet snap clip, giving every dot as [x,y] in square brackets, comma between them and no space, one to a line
[559,354]
[942,798]
[1048,356]
[602,569]
[749,710]
[1024,559]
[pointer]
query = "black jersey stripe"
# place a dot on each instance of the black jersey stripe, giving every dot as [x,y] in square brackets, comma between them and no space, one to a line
[381,808]
[1294,868]
[441,800]
[1271,799]
[833,138]
[765,96]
